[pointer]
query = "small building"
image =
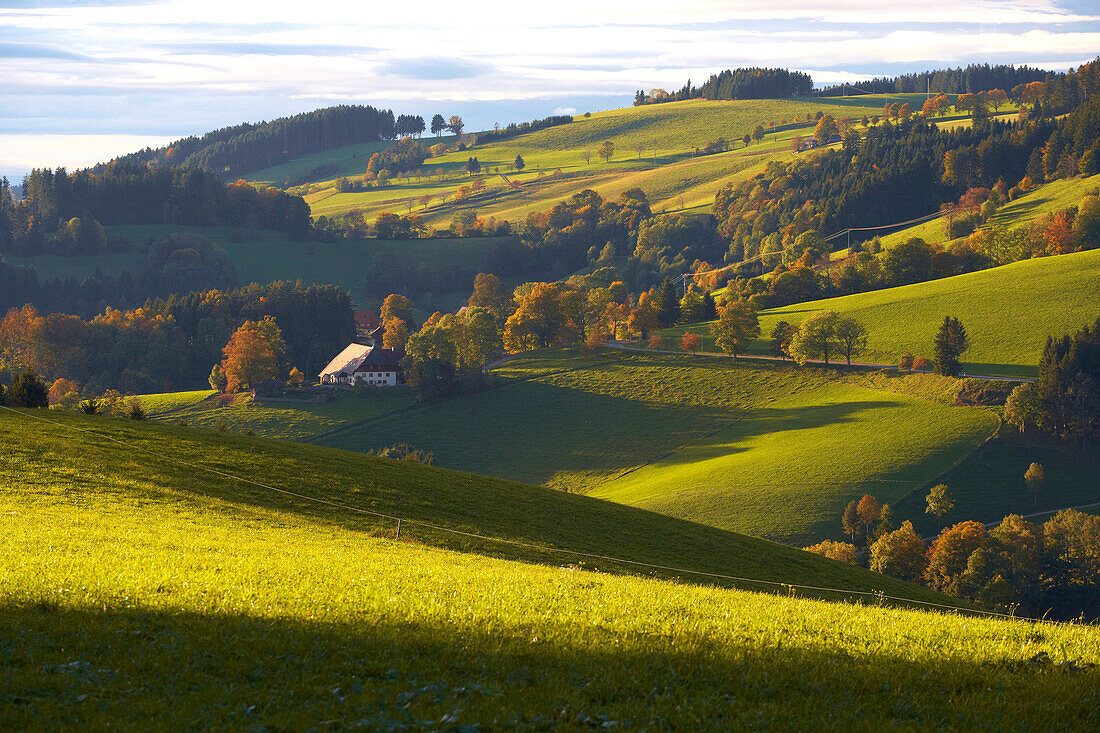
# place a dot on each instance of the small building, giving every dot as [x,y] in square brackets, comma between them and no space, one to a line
[371,366]
[365,322]
[808,144]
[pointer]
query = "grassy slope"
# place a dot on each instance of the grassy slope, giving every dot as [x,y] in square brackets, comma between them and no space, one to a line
[1008,313]
[1045,199]
[223,608]
[737,447]
[990,483]
[664,168]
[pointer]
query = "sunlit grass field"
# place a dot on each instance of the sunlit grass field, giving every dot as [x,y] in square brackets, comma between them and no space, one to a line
[137,593]
[1045,199]
[767,450]
[653,150]
[1008,313]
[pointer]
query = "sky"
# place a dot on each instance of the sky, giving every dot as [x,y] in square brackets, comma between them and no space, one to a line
[85,80]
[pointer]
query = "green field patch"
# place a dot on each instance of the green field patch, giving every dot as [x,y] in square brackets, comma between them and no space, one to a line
[1008,312]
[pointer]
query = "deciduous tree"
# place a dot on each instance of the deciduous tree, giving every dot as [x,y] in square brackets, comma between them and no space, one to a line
[816,337]
[690,342]
[1033,477]
[255,353]
[851,335]
[606,150]
[736,327]
[939,501]
[900,553]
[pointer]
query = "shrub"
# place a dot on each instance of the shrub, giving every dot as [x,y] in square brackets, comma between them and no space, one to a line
[978,392]
[922,364]
[134,410]
[89,406]
[839,551]
[27,390]
[405,452]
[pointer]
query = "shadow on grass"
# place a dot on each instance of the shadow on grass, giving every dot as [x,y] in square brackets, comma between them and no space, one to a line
[136,668]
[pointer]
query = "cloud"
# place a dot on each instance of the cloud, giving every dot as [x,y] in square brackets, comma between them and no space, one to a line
[436,68]
[565,110]
[245,48]
[39,51]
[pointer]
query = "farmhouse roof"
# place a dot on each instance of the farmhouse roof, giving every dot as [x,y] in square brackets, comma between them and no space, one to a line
[357,357]
[346,360]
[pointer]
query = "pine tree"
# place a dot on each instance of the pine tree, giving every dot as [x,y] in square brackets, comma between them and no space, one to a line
[949,344]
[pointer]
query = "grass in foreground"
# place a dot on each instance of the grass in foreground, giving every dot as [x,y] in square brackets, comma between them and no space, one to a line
[138,595]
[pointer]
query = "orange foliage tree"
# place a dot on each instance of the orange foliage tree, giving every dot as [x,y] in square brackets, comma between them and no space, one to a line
[255,352]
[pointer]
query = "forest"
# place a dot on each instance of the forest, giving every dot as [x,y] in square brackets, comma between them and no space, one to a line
[234,151]
[131,193]
[972,79]
[751,83]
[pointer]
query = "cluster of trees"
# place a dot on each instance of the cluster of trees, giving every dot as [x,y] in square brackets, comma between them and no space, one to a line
[452,124]
[234,151]
[406,155]
[1065,399]
[821,336]
[1016,565]
[409,125]
[514,130]
[170,344]
[742,83]
[135,194]
[973,78]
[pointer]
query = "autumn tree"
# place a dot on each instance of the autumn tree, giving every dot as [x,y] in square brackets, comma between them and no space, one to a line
[851,336]
[826,128]
[870,513]
[951,553]
[816,337]
[396,333]
[606,150]
[396,307]
[905,361]
[1033,477]
[736,327]
[690,342]
[489,294]
[782,335]
[949,344]
[61,391]
[900,553]
[295,379]
[691,307]
[939,501]
[256,352]
[455,124]
[849,520]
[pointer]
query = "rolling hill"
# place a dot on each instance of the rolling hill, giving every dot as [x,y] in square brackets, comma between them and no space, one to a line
[735,446]
[226,605]
[654,150]
[1048,296]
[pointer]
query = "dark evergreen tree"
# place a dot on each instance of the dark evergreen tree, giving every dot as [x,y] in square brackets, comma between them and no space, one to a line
[27,390]
[949,344]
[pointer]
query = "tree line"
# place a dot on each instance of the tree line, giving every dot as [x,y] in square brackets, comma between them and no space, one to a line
[741,83]
[127,193]
[170,344]
[235,151]
[973,78]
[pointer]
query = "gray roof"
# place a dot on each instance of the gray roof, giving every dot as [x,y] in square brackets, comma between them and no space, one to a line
[356,357]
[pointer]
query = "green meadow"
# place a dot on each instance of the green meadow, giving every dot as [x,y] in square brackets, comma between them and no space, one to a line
[1008,313]
[654,150]
[758,449]
[1045,199]
[228,606]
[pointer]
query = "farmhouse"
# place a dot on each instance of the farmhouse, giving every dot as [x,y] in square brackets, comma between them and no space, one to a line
[372,366]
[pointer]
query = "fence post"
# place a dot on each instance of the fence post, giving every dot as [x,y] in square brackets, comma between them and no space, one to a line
[398,529]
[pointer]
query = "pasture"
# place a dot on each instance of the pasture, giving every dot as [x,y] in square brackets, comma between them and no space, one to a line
[224,606]
[1047,296]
